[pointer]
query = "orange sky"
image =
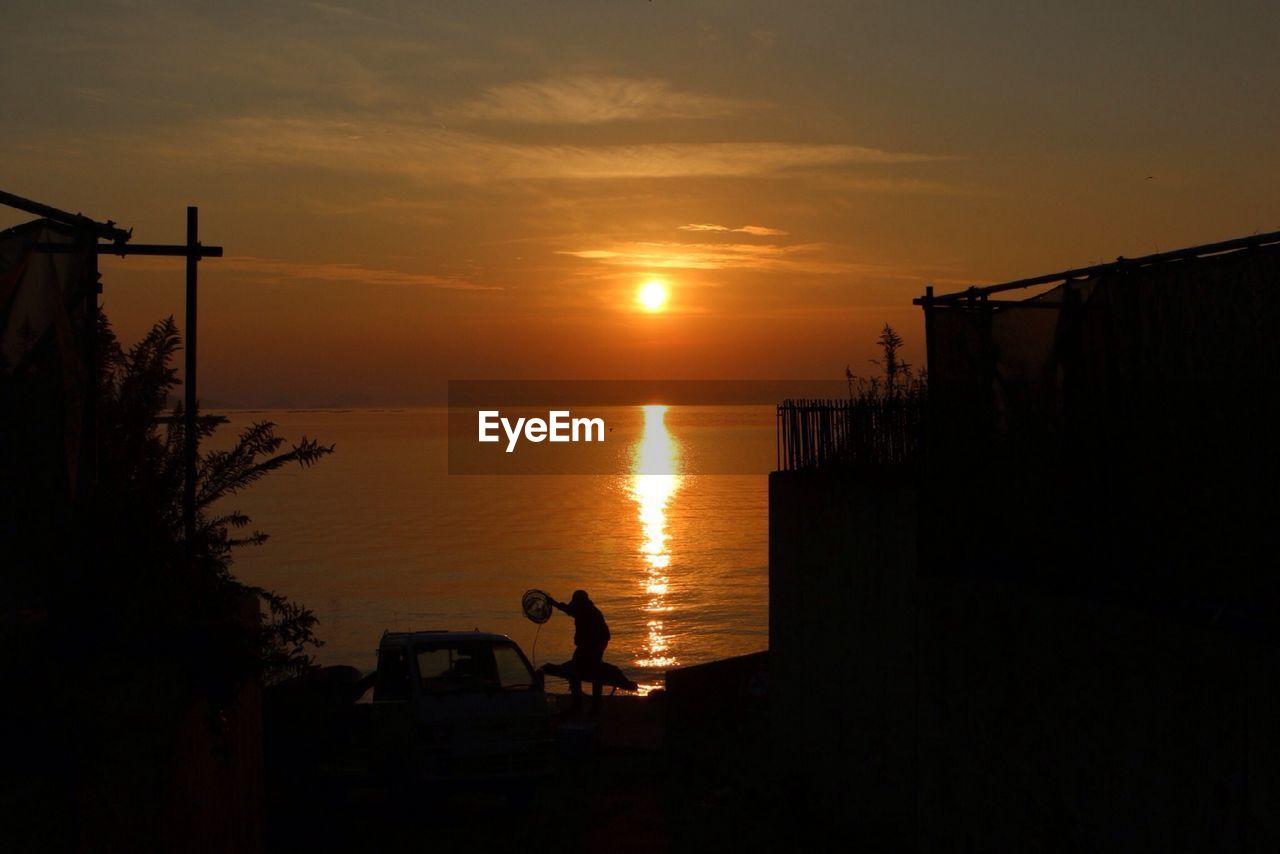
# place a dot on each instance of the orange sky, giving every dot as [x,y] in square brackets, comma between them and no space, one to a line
[412,192]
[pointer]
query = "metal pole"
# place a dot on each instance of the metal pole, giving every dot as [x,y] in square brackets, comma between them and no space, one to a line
[1251,242]
[105,230]
[927,302]
[189,429]
[89,441]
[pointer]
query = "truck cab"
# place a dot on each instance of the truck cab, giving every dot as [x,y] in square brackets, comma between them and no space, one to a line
[459,705]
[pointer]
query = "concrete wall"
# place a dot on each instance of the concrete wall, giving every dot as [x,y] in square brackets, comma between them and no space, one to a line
[842,563]
[1050,722]
[1032,720]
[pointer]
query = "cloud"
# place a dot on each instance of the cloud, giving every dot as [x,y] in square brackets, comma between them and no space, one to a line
[757,230]
[793,258]
[592,100]
[907,186]
[339,11]
[277,270]
[434,154]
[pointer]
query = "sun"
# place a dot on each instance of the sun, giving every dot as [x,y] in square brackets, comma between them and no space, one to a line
[652,295]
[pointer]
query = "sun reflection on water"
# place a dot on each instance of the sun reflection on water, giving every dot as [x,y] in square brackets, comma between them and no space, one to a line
[653,483]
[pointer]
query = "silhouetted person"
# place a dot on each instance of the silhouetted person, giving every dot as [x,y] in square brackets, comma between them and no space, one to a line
[590,637]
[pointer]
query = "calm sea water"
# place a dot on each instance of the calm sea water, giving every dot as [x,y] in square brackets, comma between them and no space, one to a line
[379,536]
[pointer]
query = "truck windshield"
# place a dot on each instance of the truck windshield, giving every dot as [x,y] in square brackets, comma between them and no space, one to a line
[464,666]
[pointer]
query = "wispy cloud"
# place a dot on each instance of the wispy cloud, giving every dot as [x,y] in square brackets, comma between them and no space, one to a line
[275,270]
[435,154]
[704,226]
[760,230]
[332,9]
[592,100]
[897,185]
[794,258]
[757,230]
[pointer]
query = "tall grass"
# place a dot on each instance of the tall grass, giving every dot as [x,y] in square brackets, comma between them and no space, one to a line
[880,423]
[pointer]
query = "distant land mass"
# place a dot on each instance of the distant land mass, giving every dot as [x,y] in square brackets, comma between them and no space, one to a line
[468,393]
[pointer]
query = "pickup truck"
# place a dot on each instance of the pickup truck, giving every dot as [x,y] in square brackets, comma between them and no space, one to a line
[456,706]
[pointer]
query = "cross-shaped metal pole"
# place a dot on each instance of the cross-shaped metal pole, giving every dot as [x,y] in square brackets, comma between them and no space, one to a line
[193,252]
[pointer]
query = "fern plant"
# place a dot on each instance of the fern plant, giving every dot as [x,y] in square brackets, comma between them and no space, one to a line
[139,501]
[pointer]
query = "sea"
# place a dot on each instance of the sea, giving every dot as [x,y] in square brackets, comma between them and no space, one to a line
[380,536]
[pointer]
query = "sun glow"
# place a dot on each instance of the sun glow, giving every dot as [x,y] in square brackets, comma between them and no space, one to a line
[652,295]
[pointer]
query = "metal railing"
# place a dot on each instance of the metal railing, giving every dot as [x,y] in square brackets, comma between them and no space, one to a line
[815,434]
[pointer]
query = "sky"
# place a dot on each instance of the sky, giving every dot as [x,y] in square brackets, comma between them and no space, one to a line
[411,192]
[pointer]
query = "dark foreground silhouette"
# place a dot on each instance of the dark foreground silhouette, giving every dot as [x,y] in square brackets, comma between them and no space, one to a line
[603,675]
[590,638]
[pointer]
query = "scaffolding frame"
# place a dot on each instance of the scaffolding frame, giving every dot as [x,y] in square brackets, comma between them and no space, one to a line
[90,232]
